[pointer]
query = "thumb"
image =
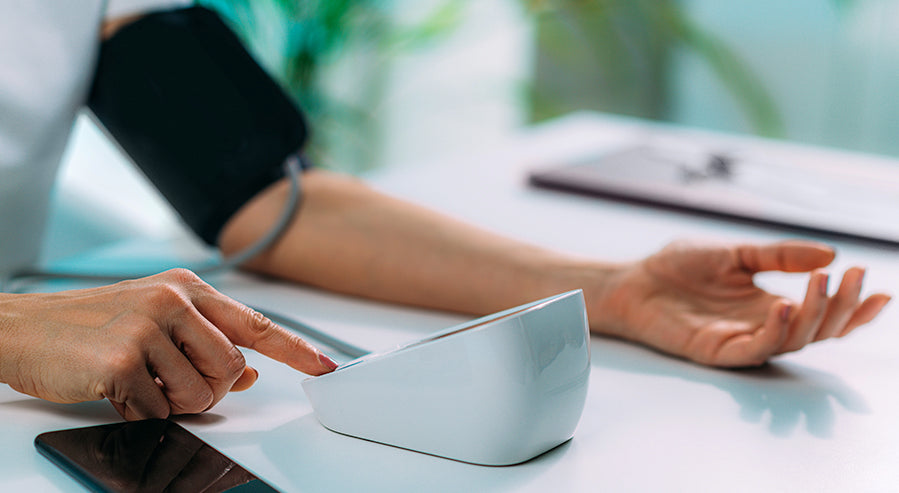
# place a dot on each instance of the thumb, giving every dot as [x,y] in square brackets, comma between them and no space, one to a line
[786,256]
[245,380]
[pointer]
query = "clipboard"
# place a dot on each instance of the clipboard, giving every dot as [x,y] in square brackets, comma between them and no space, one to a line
[832,201]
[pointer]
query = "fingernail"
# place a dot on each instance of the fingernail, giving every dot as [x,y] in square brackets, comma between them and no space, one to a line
[822,284]
[329,363]
[861,278]
[785,312]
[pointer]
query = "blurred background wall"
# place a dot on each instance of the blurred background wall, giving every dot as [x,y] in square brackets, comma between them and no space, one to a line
[831,68]
[411,82]
[397,81]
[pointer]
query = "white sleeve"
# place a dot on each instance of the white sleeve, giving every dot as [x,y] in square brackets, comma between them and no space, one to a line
[48,56]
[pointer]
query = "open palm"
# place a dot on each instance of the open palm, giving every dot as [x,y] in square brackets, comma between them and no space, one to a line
[700,302]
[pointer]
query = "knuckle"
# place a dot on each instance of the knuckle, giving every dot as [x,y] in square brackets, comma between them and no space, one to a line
[182,276]
[296,344]
[123,361]
[187,283]
[260,325]
[144,335]
[165,295]
[200,400]
[133,335]
[235,362]
[204,401]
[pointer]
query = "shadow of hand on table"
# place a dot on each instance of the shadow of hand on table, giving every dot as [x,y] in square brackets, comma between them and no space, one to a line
[786,391]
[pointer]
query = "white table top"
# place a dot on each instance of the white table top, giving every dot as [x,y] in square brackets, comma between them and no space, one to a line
[823,419]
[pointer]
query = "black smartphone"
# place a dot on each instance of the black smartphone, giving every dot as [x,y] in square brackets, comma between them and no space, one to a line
[145,456]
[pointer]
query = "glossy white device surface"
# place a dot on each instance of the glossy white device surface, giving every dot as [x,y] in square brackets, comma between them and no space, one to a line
[498,390]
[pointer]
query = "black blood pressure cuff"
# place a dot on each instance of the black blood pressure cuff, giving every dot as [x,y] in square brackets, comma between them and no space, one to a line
[204,122]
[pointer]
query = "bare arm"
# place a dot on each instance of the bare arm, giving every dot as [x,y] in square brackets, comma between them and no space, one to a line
[696,301]
[355,240]
[111,26]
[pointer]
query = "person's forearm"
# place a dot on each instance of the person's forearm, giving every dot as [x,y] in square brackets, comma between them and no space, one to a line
[696,301]
[352,239]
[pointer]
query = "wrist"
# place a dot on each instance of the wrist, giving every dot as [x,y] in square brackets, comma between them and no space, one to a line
[601,283]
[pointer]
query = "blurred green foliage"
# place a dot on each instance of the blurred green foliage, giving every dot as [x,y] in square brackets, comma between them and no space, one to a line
[298,41]
[609,55]
[614,55]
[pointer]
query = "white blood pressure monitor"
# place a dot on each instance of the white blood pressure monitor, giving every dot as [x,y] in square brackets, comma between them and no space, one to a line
[498,390]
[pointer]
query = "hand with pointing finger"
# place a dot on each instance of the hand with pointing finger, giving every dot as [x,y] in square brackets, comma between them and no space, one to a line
[156,346]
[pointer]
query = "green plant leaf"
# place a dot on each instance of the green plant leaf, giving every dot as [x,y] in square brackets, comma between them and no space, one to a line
[440,22]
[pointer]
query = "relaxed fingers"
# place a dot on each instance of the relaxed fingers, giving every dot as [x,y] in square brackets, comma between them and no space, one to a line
[866,312]
[804,326]
[787,256]
[755,348]
[842,305]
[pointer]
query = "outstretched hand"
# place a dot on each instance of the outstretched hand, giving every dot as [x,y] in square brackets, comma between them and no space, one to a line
[700,302]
